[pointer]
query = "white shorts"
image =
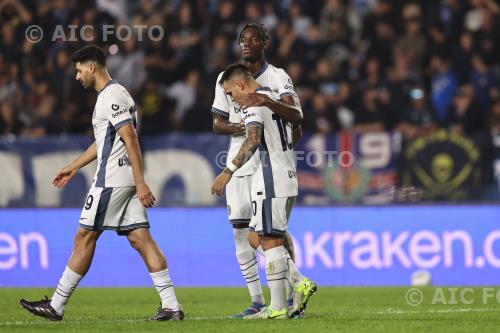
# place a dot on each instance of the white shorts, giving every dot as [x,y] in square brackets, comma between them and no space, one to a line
[270,216]
[113,208]
[239,199]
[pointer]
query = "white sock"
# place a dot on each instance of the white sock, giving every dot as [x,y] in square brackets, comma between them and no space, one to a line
[295,276]
[67,284]
[248,264]
[289,289]
[288,244]
[164,286]
[276,272]
[288,285]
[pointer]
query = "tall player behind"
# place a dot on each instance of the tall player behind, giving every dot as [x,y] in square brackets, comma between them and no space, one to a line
[119,195]
[253,41]
[273,192]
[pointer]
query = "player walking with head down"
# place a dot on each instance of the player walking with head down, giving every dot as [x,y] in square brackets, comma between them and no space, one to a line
[273,192]
[119,195]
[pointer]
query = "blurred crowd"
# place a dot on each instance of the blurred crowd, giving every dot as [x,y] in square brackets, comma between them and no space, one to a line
[363,64]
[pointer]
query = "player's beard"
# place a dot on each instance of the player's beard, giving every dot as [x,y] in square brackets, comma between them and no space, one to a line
[88,84]
[252,58]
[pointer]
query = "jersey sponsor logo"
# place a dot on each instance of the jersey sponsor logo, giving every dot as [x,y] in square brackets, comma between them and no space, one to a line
[115,107]
[237,109]
[116,114]
[288,87]
[123,161]
[292,174]
[248,115]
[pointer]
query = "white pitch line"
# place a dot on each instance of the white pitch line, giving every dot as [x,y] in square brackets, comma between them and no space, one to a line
[117,321]
[108,321]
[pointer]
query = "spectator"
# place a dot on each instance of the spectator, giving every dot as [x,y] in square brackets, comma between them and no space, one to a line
[412,45]
[9,123]
[184,94]
[225,21]
[419,118]
[444,84]
[380,46]
[464,115]
[382,12]
[186,38]
[368,114]
[156,110]
[73,120]
[462,56]
[127,66]
[318,43]
[300,22]
[484,81]
[333,22]
[322,118]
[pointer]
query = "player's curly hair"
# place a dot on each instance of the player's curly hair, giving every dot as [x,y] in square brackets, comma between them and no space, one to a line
[262,31]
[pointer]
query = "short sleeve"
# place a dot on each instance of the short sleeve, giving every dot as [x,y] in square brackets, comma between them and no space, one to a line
[117,108]
[284,84]
[253,116]
[220,105]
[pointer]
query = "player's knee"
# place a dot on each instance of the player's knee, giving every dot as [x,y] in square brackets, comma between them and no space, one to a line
[245,255]
[84,237]
[135,242]
[138,240]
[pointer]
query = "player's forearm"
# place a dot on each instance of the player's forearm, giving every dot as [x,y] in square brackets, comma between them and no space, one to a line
[289,112]
[249,146]
[296,135]
[224,127]
[88,156]
[135,158]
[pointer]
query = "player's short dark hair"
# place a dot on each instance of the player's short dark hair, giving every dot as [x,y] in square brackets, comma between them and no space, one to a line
[89,53]
[261,29]
[233,70]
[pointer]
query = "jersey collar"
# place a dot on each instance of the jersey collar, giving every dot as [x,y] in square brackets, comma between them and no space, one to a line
[262,70]
[110,82]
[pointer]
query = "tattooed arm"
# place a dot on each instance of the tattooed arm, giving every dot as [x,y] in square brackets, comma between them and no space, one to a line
[248,148]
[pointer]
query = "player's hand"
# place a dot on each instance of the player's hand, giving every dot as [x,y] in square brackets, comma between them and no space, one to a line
[220,182]
[253,99]
[241,130]
[63,177]
[146,198]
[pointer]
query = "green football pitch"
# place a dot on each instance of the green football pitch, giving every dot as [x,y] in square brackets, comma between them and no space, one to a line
[330,310]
